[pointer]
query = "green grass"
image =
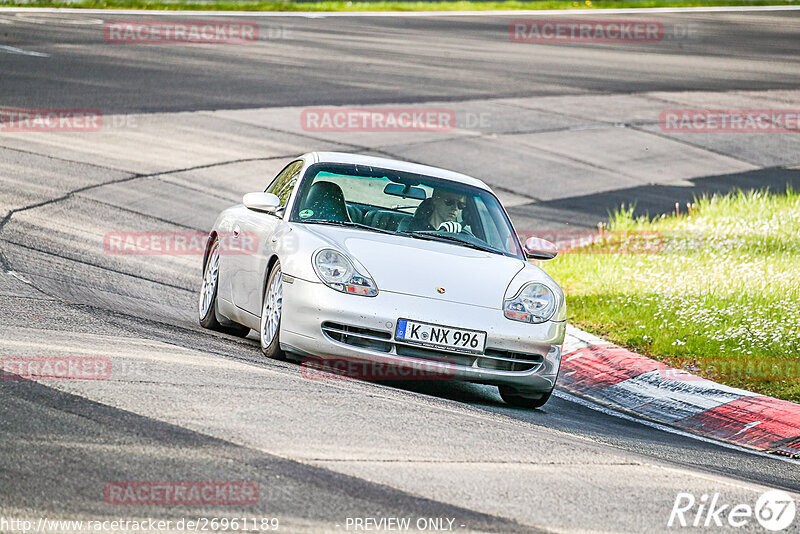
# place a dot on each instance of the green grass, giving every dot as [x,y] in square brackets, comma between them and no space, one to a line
[715,291]
[445,5]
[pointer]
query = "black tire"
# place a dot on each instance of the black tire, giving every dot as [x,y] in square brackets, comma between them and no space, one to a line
[271,340]
[516,398]
[207,311]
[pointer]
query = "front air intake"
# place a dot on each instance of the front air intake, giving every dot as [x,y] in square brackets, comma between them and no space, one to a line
[365,338]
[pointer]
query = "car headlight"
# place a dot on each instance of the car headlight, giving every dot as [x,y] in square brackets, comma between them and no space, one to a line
[337,271]
[534,303]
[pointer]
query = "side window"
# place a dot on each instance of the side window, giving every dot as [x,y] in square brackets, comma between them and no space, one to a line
[491,232]
[283,184]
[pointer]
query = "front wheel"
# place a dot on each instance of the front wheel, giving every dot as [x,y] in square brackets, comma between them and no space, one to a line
[520,399]
[207,304]
[271,314]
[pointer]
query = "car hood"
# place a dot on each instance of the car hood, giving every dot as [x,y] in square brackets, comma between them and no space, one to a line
[424,268]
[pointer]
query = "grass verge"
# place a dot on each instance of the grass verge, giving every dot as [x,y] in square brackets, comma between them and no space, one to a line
[715,291]
[444,5]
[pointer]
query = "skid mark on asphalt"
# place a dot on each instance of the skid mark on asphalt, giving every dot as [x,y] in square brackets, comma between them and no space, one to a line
[51,19]
[4,261]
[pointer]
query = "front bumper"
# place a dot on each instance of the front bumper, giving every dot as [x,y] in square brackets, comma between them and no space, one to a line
[309,305]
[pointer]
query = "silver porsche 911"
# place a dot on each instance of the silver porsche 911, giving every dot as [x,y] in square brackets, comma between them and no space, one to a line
[375,260]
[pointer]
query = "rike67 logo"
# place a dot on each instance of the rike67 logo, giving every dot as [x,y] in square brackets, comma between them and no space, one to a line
[775,511]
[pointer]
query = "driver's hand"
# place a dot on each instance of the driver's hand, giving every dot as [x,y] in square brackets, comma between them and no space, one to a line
[450,226]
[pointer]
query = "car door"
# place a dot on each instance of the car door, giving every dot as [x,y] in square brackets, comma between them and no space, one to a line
[248,278]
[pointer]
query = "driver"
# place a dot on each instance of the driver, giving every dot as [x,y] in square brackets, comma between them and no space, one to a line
[440,212]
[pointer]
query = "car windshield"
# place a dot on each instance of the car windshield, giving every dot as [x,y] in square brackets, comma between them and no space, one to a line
[408,204]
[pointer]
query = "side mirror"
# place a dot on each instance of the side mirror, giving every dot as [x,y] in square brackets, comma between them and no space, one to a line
[537,248]
[266,202]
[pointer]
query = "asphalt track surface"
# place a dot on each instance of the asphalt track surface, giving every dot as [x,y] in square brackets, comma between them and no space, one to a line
[208,123]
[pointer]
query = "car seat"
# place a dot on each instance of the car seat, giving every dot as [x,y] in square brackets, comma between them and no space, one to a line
[326,201]
[423,213]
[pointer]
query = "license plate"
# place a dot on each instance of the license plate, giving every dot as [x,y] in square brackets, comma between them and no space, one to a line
[441,337]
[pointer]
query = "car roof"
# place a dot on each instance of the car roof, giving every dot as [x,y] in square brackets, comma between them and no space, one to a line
[397,165]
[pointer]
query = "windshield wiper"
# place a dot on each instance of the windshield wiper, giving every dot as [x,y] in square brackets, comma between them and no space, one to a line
[349,224]
[433,236]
